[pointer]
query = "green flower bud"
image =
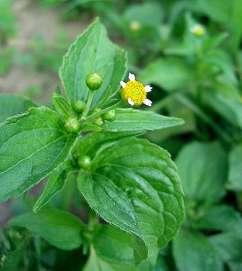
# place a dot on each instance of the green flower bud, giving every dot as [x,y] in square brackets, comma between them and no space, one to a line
[94,81]
[110,115]
[98,121]
[85,162]
[79,106]
[72,125]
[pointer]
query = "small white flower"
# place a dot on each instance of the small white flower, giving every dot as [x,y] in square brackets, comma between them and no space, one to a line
[134,92]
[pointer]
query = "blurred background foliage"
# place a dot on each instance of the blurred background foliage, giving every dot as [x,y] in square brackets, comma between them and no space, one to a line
[190,51]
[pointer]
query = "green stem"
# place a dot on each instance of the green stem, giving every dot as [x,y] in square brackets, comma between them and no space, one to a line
[88,105]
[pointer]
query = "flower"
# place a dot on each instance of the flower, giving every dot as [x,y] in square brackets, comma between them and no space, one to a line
[198,30]
[134,92]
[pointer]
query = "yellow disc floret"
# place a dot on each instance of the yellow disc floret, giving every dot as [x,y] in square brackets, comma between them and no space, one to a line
[135,91]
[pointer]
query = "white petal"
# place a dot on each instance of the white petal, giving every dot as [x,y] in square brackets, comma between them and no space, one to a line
[148,88]
[131,76]
[147,102]
[130,101]
[123,84]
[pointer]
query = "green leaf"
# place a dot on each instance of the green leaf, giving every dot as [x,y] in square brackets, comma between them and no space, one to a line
[59,228]
[193,251]
[127,250]
[235,170]
[55,183]
[168,73]
[92,52]
[203,170]
[228,13]
[62,106]
[219,217]
[227,105]
[134,185]
[11,105]
[229,244]
[131,120]
[31,146]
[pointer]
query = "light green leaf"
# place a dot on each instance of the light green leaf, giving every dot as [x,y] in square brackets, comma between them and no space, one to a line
[203,170]
[31,146]
[134,185]
[59,228]
[92,52]
[235,169]
[168,73]
[11,105]
[193,251]
[55,183]
[131,120]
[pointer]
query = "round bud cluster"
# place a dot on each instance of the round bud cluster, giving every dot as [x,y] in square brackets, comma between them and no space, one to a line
[72,125]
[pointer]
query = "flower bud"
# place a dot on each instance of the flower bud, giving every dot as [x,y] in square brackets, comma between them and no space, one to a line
[94,81]
[198,30]
[84,162]
[110,115]
[135,26]
[98,121]
[79,106]
[72,125]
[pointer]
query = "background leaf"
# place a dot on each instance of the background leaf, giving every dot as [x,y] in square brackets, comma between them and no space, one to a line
[11,105]
[59,228]
[235,169]
[193,251]
[203,170]
[168,73]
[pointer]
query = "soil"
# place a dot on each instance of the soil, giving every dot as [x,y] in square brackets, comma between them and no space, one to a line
[33,19]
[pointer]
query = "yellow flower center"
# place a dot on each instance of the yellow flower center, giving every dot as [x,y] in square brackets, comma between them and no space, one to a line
[135,91]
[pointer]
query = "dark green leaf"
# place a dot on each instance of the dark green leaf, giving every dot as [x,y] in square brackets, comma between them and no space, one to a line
[203,170]
[59,228]
[193,251]
[11,105]
[92,52]
[31,146]
[134,185]
[131,120]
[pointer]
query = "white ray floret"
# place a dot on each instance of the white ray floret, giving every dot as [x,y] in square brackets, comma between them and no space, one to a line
[123,84]
[147,102]
[131,77]
[148,88]
[130,101]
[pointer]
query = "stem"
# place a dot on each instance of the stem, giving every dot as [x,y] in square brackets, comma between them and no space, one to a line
[89,102]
